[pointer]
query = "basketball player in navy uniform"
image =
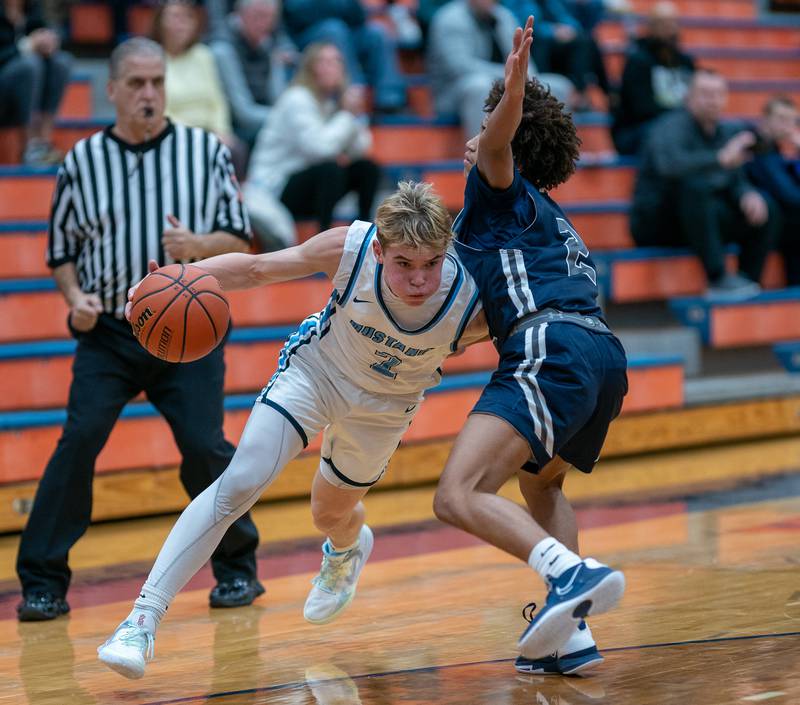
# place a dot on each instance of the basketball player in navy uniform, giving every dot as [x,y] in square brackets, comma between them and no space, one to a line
[357,370]
[561,376]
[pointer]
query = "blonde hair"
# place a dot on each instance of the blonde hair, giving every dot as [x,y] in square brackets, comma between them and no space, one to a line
[415,216]
[305,72]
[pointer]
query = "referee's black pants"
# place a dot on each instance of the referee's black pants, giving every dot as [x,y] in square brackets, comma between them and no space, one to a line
[110,368]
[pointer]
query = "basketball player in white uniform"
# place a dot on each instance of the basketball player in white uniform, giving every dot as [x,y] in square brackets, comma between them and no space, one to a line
[357,371]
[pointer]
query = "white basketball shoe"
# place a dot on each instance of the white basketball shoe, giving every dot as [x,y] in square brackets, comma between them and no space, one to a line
[335,586]
[127,650]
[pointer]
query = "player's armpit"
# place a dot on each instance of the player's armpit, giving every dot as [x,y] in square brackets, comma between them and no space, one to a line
[477,331]
[324,251]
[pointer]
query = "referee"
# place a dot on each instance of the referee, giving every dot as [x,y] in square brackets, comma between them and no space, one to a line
[143,189]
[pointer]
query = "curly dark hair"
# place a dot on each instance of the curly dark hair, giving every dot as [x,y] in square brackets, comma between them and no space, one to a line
[546,144]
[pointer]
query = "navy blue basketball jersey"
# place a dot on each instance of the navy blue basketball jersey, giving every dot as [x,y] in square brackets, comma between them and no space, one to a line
[523,253]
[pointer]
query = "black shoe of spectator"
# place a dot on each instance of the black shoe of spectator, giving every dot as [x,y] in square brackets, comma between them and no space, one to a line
[235,593]
[41,606]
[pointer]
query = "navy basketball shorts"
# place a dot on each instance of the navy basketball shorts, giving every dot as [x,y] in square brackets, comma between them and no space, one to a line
[559,385]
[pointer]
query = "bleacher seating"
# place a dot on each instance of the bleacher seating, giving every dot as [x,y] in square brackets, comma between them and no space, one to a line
[758,55]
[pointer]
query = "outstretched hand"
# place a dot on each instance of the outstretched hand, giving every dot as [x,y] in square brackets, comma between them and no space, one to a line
[516,71]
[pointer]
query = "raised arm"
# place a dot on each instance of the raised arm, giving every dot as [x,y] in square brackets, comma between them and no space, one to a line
[495,160]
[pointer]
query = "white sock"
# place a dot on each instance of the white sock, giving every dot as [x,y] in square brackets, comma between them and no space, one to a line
[550,558]
[149,608]
[335,550]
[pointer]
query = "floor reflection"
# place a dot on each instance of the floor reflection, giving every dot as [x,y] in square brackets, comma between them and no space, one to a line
[47,665]
[712,673]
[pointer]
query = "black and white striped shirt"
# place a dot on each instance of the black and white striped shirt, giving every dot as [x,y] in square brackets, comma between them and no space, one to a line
[112,199]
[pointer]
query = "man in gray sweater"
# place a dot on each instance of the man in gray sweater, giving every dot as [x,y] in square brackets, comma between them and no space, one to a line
[691,190]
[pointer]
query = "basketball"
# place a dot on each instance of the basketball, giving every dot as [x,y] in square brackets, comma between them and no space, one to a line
[179,313]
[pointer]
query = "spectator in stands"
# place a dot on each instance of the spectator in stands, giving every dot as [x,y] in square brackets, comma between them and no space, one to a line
[253,57]
[34,73]
[369,51]
[468,42]
[194,93]
[655,79]
[692,190]
[109,218]
[563,45]
[779,176]
[312,150]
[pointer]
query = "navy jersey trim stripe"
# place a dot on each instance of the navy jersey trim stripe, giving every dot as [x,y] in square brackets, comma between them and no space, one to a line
[362,253]
[344,477]
[291,419]
[525,375]
[443,309]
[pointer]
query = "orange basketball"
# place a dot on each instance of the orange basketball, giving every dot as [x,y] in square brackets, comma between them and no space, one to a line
[179,313]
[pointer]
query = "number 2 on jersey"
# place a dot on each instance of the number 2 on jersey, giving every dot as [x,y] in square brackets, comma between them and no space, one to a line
[576,252]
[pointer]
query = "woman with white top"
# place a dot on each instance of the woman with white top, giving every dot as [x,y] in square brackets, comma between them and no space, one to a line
[312,150]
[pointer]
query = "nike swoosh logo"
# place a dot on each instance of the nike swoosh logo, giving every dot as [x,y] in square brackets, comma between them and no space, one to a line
[356,300]
[411,408]
[561,591]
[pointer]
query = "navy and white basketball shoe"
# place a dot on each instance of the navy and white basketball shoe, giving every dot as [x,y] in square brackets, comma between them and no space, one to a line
[578,655]
[587,589]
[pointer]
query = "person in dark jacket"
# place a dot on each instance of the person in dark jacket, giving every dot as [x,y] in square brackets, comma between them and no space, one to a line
[780,177]
[33,76]
[691,190]
[654,81]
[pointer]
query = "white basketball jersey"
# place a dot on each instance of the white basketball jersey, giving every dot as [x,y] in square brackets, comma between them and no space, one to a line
[360,337]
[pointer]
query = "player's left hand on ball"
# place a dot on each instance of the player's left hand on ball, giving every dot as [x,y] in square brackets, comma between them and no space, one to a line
[152,266]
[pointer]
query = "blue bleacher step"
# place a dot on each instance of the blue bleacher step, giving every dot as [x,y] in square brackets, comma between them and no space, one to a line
[696,310]
[740,387]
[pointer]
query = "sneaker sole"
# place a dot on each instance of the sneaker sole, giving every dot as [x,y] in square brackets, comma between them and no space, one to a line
[579,668]
[555,628]
[121,667]
[575,670]
[347,602]
[333,616]
[537,671]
